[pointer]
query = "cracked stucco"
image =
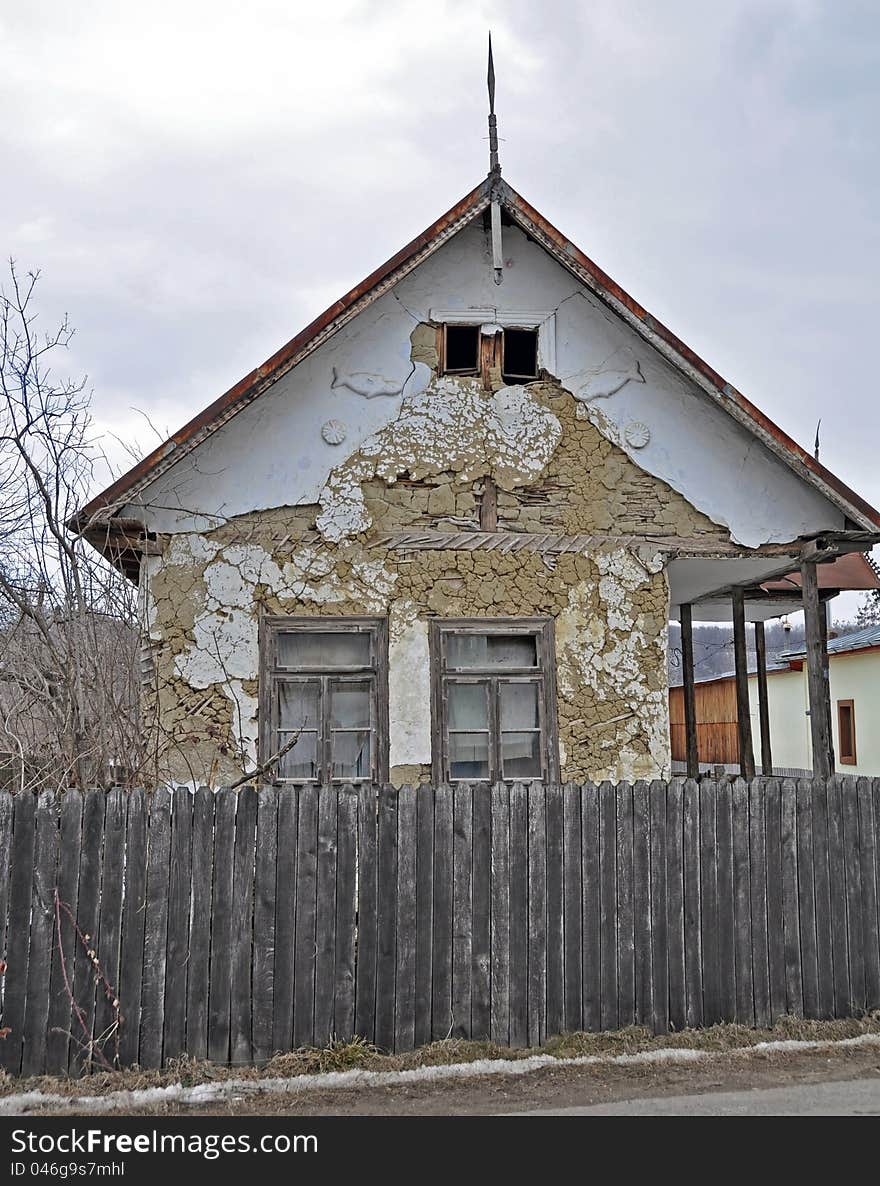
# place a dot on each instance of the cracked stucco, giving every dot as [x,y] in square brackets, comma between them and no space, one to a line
[455,426]
[556,472]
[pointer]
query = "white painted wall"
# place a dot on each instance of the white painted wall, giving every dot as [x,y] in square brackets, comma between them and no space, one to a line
[853,677]
[272,453]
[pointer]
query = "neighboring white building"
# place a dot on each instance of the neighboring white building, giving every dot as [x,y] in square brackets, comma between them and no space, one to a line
[854,671]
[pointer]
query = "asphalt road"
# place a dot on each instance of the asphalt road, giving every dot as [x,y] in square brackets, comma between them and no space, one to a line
[853,1097]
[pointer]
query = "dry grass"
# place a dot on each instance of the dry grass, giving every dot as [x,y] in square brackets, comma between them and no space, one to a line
[358,1054]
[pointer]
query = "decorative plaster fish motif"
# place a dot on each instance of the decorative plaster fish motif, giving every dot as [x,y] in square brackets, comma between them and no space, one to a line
[588,385]
[367,385]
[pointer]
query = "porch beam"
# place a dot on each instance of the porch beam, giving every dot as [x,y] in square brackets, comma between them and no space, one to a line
[817,674]
[692,754]
[763,700]
[743,715]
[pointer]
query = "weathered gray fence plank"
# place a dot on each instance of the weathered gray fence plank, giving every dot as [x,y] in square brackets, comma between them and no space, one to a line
[219,1002]
[306,901]
[441,955]
[67,884]
[87,918]
[726,899]
[519,915]
[264,921]
[6,813]
[134,915]
[807,898]
[537,915]
[608,899]
[500,911]
[36,1014]
[758,903]
[405,963]
[790,908]
[110,921]
[555,947]
[424,912]
[626,907]
[199,954]
[591,909]
[386,948]
[572,907]
[775,924]
[240,996]
[675,949]
[659,922]
[155,927]
[693,951]
[837,884]
[462,906]
[346,914]
[18,930]
[742,921]
[325,915]
[852,864]
[868,852]
[644,991]
[179,902]
[709,904]
[822,892]
[481,866]
[285,920]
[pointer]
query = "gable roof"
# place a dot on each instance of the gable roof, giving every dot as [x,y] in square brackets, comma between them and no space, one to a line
[528,219]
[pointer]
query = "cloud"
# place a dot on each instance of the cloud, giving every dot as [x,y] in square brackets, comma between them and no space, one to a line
[197,180]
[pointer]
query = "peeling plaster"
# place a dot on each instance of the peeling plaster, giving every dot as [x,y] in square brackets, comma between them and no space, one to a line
[453,425]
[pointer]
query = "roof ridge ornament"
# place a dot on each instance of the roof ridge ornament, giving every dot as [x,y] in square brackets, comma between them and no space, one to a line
[494,173]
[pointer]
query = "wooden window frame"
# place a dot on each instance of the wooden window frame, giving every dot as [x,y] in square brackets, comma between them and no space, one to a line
[542,629]
[846,759]
[490,351]
[272,673]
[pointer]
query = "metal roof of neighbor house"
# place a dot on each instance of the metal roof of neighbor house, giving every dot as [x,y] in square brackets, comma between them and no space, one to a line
[856,640]
[378,282]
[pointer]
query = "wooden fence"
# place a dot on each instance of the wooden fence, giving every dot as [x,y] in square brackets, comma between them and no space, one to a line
[233,924]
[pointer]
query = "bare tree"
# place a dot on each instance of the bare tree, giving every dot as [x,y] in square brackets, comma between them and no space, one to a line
[68,620]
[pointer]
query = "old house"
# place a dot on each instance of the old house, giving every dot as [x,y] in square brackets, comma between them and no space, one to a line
[441,532]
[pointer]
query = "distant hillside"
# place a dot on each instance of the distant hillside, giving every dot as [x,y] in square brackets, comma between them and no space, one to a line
[713,647]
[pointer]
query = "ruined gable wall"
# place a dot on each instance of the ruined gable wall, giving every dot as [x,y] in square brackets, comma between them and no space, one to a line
[556,472]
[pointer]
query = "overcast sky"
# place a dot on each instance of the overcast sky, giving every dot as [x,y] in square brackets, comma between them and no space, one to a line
[197,180]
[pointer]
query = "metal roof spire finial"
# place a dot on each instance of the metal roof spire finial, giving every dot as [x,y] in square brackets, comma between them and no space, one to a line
[494,166]
[494,176]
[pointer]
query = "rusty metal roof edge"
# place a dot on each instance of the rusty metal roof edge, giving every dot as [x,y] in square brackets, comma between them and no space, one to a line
[680,354]
[125,488]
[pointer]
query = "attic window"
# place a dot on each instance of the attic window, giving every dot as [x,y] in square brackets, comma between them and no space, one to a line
[520,358]
[461,349]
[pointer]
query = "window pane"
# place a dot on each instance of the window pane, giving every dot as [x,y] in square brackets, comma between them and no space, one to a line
[324,648]
[468,706]
[462,346]
[469,755]
[298,705]
[521,352]
[351,754]
[301,760]
[491,650]
[521,755]
[519,706]
[350,705]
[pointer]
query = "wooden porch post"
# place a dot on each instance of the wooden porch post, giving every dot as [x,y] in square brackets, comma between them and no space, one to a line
[817,674]
[763,701]
[692,755]
[743,716]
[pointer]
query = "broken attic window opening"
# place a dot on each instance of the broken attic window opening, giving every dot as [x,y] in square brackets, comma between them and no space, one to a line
[520,354]
[461,349]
